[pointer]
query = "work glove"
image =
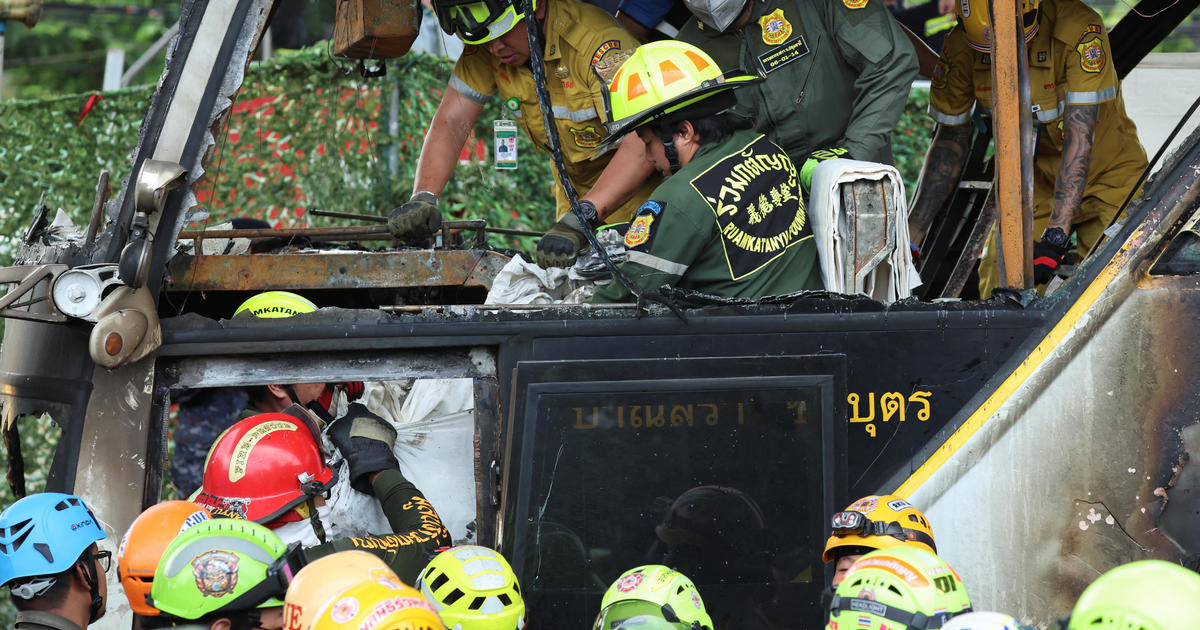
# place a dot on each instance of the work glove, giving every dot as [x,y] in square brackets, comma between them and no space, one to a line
[354,391]
[815,158]
[366,441]
[419,218]
[562,244]
[1046,259]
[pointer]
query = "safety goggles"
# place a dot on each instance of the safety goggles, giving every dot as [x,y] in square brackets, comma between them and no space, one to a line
[857,524]
[477,21]
[639,614]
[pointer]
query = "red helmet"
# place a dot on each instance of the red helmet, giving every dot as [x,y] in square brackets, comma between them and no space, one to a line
[262,468]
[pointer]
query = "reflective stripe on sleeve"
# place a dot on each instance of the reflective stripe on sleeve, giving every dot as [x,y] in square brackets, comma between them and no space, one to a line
[1091,98]
[574,116]
[948,119]
[1046,115]
[469,92]
[654,262]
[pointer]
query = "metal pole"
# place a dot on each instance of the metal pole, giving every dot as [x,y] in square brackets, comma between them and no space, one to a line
[158,45]
[1,59]
[1010,85]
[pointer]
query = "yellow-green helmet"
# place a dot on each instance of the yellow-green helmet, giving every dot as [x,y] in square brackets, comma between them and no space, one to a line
[473,588]
[276,304]
[662,78]
[220,565]
[652,597]
[479,22]
[1144,595]
[901,588]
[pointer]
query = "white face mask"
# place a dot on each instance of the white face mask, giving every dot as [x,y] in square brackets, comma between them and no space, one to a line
[718,14]
[302,531]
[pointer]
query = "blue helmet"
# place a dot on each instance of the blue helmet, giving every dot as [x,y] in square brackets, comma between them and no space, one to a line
[44,534]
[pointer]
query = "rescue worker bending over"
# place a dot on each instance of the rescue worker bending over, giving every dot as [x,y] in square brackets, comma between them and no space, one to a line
[1087,154]
[874,522]
[50,562]
[269,468]
[730,220]
[838,72]
[496,61]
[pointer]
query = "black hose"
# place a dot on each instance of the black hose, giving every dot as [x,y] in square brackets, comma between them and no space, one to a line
[538,66]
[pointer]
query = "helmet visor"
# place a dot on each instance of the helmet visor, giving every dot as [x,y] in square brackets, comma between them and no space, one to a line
[637,614]
[477,22]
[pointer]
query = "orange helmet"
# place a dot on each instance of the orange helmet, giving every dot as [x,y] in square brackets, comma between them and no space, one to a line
[878,522]
[977,23]
[378,605]
[263,468]
[312,586]
[144,544]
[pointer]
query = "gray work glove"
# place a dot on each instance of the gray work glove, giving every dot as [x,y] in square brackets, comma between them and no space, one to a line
[419,218]
[366,441]
[562,243]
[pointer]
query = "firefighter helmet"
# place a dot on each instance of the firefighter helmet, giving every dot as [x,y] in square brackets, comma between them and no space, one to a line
[144,544]
[473,588]
[310,590]
[908,586]
[262,469]
[662,78]
[379,605]
[220,565]
[1143,595]
[479,21]
[977,23]
[272,304]
[878,522]
[650,594]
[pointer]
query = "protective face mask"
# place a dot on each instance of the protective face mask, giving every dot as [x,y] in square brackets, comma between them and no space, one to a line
[718,14]
[302,531]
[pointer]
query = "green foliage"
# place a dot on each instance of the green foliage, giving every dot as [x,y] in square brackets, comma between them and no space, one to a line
[911,138]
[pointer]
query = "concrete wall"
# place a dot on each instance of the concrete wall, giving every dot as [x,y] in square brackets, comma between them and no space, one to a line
[1158,92]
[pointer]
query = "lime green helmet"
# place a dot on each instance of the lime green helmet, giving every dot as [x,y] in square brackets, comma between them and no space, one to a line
[479,21]
[652,597]
[271,304]
[473,588]
[901,588]
[1144,595]
[222,565]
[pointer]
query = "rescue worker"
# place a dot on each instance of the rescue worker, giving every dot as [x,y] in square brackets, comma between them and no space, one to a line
[1087,155]
[473,588]
[874,522]
[838,71]
[1143,594]
[143,546]
[876,595]
[50,562]
[654,597]
[495,62]
[224,574]
[729,220]
[269,468]
[377,604]
[313,585]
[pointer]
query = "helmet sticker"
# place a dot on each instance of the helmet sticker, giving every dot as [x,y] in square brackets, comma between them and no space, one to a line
[629,582]
[224,507]
[864,505]
[696,601]
[195,519]
[241,452]
[896,567]
[344,610]
[392,605]
[899,505]
[216,573]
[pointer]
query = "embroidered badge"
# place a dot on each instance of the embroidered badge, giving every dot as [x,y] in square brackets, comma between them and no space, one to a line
[639,233]
[854,4]
[939,73]
[1091,54]
[216,573]
[631,581]
[776,58]
[775,28]
[604,48]
[586,138]
[754,195]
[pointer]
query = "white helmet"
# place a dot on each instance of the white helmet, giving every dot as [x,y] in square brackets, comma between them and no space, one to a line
[718,14]
[984,621]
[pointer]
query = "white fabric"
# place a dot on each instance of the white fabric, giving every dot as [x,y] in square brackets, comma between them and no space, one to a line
[435,427]
[522,282]
[895,277]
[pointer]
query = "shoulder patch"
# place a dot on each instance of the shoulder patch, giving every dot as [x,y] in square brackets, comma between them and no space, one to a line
[1091,53]
[775,28]
[854,4]
[1093,28]
[642,228]
[939,73]
[603,49]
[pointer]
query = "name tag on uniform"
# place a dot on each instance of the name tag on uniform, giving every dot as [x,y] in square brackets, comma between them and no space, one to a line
[781,56]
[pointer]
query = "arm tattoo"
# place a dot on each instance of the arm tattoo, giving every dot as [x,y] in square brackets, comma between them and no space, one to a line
[939,176]
[1079,128]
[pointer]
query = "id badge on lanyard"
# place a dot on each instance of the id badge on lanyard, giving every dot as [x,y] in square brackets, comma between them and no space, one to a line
[504,135]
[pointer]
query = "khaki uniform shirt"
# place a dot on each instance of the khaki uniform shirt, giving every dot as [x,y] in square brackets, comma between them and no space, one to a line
[1069,64]
[577,36]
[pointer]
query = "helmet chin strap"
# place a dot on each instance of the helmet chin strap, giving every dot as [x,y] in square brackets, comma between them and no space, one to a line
[671,152]
[93,582]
